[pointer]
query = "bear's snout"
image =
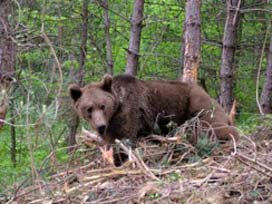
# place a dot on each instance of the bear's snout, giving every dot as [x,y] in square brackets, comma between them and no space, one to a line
[101,129]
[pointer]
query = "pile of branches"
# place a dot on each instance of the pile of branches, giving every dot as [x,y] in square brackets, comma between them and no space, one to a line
[161,170]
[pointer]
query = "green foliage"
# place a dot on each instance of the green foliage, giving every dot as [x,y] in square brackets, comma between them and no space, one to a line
[248,123]
[205,146]
[154,196]
[174,176]
[8,173]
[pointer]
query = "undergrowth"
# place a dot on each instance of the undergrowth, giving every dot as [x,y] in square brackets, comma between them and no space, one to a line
[53,140]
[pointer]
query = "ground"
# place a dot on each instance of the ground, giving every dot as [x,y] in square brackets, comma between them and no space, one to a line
[169,170]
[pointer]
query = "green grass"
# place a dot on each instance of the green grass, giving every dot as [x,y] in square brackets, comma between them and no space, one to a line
[10,174]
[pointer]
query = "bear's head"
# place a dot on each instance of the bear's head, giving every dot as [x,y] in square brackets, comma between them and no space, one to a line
[96,103]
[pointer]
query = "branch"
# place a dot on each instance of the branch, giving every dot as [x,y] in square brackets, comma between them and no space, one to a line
[259,70]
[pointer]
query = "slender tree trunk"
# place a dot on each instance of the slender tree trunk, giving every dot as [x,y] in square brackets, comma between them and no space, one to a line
[192,41]
[84,35]
[135,37]
[227,58]
[13,134]
[105,5]
[60,34]
[74,121]
[266,97]
[73,125]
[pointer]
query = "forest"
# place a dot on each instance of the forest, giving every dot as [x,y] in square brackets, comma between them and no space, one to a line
[224,46]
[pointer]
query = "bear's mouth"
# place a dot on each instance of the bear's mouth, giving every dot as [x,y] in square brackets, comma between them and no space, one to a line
[103,136]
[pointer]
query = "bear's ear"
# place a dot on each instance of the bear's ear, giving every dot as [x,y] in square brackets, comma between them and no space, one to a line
[106,82]
[75,92]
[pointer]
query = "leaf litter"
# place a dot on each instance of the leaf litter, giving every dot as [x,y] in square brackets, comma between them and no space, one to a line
[161,169]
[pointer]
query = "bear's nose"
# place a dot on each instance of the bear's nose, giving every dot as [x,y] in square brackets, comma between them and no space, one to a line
[101,129]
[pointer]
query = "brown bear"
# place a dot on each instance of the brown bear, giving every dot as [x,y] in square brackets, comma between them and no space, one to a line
[126,107]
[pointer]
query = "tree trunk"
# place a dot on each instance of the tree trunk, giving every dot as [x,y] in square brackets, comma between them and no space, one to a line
[7,46]
[192,37]
[135,36]
[74,121]
[105,5]
[7,57]
[13,134]
[266,97]
[182,51]
[84,35]
[7,70]
[227,58]
[73,125]
[60,34]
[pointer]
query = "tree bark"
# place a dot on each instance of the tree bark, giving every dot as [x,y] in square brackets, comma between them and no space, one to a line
[7,46]
[13,134]
[135,37]
[192,37]
[74,120]
[84,35]
[60,34]
[110,63]
[266,97]
[7,70]
[7,57]
[182,52]
[227,57]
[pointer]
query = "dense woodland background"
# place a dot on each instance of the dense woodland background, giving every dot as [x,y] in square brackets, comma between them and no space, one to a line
[46,45]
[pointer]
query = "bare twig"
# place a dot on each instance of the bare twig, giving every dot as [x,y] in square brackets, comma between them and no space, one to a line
[89,137]
[258,166]
[137,159]
[259,70]
[237,10]
[49,43]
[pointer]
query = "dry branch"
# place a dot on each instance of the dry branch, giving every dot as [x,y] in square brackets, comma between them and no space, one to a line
[90,138]
[220,178]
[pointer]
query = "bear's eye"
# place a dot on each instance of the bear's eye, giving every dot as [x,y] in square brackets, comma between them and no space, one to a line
[102,107]
[90,109]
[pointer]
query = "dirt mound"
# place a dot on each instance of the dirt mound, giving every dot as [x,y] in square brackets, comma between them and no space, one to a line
[169,170]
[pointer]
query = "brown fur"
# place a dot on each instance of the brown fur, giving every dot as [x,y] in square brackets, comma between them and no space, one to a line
[129,107]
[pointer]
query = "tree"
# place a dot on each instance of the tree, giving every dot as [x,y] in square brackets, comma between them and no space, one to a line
[135,37]
[110,64]
[7,70]
[7,56]
[228,52]
[74,120]
[192,38]
[266,97]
